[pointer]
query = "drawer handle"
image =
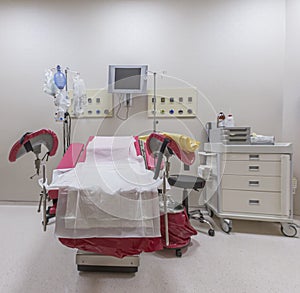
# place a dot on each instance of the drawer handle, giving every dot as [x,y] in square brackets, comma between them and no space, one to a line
[254,202]
[253,183]
[253,157]
[253,168]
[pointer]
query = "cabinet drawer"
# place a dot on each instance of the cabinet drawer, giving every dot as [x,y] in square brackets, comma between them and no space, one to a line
[252,168]
[258,202]
[258,183]
[252,157]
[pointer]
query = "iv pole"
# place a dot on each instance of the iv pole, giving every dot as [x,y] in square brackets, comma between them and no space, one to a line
[67,121]
[154,102]
[166,172]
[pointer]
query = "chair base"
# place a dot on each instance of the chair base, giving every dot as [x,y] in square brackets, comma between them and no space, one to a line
[197,215]
[191,182]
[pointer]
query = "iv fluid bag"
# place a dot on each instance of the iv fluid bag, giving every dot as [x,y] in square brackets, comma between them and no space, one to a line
[79,96]
[60,78]
[49,86]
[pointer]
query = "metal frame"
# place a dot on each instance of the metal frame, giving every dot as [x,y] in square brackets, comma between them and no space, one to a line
[89,261]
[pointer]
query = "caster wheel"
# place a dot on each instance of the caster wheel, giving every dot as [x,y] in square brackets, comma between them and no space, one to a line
[211,232]
[226,226]
[289,230]
[178,253]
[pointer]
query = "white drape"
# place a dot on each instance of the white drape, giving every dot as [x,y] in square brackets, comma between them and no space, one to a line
[111,194]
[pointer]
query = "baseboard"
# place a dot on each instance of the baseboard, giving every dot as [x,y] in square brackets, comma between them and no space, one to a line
[18,202]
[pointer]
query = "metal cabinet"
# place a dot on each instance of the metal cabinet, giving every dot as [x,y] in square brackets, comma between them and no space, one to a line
[250,182]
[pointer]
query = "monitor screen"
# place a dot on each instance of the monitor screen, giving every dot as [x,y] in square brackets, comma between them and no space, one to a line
[127,79]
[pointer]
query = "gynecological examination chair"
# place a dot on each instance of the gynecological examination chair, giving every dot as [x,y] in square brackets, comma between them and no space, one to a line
[183,147]
[34,142]
[106,200]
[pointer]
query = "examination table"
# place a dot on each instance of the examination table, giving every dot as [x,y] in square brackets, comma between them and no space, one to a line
[117,253]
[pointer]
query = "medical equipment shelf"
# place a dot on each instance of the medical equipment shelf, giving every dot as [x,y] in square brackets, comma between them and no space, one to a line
[250,182]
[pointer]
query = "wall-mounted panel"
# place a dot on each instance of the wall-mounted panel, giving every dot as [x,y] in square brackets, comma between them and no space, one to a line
[99,104]
[177,102]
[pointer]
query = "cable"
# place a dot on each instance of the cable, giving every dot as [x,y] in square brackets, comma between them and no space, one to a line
[64,136]
[119,108]
[67,131]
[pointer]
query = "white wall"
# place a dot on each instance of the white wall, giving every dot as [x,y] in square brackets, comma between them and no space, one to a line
[233,51]
[291,98]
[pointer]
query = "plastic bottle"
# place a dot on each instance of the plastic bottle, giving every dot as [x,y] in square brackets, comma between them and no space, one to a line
[230,121]
[221,120]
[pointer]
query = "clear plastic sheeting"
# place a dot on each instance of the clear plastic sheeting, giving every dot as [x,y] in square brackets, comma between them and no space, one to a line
[111,194]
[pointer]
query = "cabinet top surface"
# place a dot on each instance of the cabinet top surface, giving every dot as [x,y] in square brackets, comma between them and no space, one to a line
[282,148]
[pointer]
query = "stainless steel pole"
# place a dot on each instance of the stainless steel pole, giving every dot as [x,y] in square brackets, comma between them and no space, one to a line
[154,102]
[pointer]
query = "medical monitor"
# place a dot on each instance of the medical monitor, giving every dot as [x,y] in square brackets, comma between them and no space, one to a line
[127,79]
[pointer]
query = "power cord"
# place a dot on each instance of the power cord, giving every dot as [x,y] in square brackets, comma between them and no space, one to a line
[119,109]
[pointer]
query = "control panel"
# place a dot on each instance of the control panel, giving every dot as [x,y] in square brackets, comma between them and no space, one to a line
[176,102]
[99,104]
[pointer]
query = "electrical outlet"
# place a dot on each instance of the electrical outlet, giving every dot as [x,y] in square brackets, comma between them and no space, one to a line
[177,102]
[99,104]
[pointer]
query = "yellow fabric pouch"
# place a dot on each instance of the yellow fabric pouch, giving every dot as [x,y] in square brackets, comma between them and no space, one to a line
[186,143]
